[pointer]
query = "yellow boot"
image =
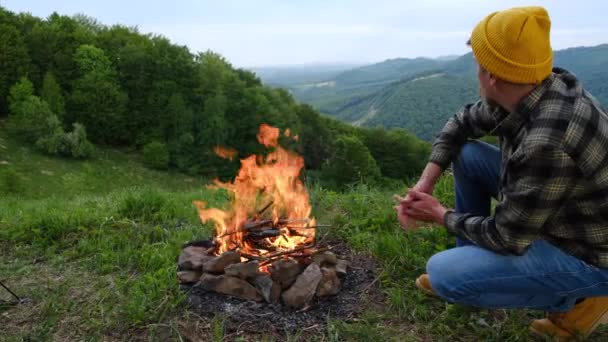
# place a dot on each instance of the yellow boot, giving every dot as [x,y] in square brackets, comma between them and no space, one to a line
[424,283]
[579,321]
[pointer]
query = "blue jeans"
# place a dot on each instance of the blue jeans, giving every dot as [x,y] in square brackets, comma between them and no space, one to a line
[543,278]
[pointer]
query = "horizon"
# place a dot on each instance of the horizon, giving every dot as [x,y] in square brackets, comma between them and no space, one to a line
[338,33]
[355,65]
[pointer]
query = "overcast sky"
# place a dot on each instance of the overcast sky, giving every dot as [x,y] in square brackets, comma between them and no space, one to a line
[294,32]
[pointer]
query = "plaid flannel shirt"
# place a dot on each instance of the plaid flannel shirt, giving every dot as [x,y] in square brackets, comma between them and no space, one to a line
[554,173]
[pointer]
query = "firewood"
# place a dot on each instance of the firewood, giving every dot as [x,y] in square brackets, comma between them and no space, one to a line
[263,234]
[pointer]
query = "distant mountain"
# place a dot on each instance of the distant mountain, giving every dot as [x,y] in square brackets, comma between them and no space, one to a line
[301,74]
[421,94]
[447,58]
[388,71]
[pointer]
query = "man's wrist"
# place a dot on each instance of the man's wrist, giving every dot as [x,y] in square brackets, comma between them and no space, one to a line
[429,176]
[444,219]
[440,219]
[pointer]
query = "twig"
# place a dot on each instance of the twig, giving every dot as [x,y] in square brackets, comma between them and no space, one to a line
[9,291]
[322,239]
[264,209]
[320,250]
[253,257]
[370,285]
[297,249]
[286,221]
[265,259]
[310,327]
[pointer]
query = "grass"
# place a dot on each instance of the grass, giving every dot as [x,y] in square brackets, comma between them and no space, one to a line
[92,245]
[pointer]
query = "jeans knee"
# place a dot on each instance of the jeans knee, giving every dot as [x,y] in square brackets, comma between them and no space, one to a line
[439,268]
[468,152]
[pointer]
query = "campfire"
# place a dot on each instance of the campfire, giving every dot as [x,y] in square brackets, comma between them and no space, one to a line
[265,245]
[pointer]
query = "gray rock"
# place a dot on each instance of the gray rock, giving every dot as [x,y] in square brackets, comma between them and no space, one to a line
[270,290]
[341,267]
[329,284]
[303,290]
[219,263]
[243,270]
[325,258]
[193,258]
[231,286]
[188,277]
[285,272]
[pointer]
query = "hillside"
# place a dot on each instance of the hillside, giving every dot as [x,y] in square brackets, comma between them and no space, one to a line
[420,94]
[92,247]
[114,86]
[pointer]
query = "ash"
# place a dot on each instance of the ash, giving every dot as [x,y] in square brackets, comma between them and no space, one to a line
[359,287]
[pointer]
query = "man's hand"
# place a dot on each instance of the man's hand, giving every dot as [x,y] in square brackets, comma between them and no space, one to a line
[423,207]
[406,222]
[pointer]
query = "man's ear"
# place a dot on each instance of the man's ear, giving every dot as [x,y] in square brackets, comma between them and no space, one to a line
[493,81]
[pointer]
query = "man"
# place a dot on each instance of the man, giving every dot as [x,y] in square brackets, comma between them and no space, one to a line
[546,246]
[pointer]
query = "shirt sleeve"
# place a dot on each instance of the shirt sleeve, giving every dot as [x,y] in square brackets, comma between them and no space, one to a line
[538,184]
[472,121]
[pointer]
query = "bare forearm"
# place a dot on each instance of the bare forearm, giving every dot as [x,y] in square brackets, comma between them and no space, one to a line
[429,177]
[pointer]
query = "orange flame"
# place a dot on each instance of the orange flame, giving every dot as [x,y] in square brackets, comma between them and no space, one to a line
[262,181]
[225,152]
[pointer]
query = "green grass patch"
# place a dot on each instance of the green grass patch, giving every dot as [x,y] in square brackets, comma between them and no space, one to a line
[93,246]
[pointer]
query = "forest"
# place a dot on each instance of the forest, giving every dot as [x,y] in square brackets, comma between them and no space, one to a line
[69,84]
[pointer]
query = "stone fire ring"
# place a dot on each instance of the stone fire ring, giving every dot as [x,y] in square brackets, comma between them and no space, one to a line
[336,283]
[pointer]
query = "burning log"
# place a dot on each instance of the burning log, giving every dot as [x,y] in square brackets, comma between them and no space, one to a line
[261,229]
[263,234]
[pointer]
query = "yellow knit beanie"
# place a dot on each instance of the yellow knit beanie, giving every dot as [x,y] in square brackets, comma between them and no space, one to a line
[514,45]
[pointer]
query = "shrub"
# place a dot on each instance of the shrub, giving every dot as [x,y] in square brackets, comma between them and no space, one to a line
[30,118]
[156,155]
[350,163]
[76,144]
[55,141]
[51,139]
[11,182]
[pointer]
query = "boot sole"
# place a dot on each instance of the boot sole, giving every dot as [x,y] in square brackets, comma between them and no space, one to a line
[602,320]
[543,334]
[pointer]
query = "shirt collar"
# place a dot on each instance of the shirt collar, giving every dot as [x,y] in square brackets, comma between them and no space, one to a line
[511,122]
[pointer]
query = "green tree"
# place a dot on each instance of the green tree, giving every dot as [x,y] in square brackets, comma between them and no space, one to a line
[14,59]
[178,133]
[52,43]
[18,94]
[399,154]
[52,94]
[97,100]
[315,138]
[29,115]
[350,163]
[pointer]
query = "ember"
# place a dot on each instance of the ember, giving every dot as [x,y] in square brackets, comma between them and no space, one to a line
[265,243]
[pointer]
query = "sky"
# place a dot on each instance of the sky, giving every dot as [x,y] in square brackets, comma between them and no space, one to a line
[256,33]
